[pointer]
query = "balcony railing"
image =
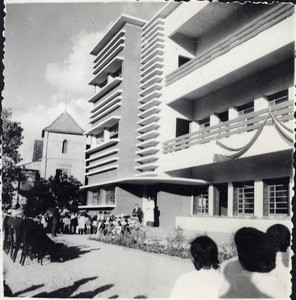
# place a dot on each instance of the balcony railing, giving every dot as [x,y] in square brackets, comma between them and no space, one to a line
[251,121]
[267,20]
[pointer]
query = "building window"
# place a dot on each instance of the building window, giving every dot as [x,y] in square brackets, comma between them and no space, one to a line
[223,116]
[276,197]
[100,138]
[110,195]
[182,127]
[278,98]
[201,203]
[246,108]
[97,199]
[65,147]
[244,198]
[182,60]
[113,131]
[204,123]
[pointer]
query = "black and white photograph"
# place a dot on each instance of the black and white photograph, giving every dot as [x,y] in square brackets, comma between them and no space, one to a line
[147,149]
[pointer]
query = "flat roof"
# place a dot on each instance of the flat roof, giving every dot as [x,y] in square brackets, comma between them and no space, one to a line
[119,23]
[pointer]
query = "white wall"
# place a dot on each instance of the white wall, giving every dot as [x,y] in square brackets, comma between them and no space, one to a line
[53,158]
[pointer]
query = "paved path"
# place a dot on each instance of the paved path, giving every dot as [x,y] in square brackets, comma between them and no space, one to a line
[94,269]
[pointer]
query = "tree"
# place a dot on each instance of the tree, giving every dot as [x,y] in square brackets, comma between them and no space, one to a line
[11,141]
[66,192]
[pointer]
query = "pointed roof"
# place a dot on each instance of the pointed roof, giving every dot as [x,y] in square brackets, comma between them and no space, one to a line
[64,124]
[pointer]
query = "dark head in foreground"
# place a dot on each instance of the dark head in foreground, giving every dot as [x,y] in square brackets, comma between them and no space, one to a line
[205,253]
[255,252]
[280,236]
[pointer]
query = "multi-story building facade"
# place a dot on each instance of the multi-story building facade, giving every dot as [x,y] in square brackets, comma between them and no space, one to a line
[193,119]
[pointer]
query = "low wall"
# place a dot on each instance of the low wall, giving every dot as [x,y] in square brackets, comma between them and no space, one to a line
[226,225]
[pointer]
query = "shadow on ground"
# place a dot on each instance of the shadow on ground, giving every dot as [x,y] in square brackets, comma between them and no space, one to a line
[66,292]
[32,288]
[72,252]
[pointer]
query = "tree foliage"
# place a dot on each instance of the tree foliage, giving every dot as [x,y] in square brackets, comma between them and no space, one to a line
[11,141]
[61,191]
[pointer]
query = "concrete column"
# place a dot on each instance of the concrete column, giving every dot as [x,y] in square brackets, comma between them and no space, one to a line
[214,120]
[291,194]
[106,135]
[232,113]
[211,199]
[230,200]
[194,126]
[258,198]
[291,93]
[260,103]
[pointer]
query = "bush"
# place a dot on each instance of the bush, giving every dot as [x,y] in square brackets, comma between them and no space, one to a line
[175,245]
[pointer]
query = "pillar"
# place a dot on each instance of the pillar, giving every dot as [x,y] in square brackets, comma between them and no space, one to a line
[106,134]
[260,104]
[230,199]
[214,120]
[258,198]
[291,93]
[232,113]
[211,200]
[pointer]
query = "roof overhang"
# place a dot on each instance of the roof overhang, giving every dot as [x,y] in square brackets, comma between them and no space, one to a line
[149,180]
[119,23]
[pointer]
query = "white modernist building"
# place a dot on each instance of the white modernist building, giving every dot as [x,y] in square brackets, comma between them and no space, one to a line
[193,116]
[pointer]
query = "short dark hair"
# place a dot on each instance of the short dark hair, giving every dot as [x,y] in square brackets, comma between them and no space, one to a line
[255,252]
[204,252]
[279,235]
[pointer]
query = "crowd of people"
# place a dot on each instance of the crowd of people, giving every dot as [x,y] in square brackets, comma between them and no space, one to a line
[66,222]
[260,269]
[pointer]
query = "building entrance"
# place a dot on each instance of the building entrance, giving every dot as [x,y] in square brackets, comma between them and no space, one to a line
[221,196]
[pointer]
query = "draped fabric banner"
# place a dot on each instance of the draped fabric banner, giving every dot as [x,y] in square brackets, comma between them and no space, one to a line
[283,130]
[228,153]
[237,152]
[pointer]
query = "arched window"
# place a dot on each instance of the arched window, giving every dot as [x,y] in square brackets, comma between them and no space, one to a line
[65,146]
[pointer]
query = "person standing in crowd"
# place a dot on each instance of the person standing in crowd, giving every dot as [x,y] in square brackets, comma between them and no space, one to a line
[203,282]
[279,235]
[66,223]
[81,224]
[55,221]
[88,224]
[252,274]
[94,224]
[73,223]
[137,212]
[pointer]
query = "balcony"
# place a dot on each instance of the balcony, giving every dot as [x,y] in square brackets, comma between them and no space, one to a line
[250,31]
[149,104]
[240,125]
[104,111]
[100,147]
[101,170]
[106,99]
[113,66]
[113,82]
[103,154]
[105,123]
[152,95]
[150,26]
[111,45]
[149,127]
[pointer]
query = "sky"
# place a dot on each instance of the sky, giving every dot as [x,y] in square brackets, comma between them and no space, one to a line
[47,61]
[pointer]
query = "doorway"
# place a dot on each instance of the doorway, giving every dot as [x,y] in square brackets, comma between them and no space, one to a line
[221,199]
